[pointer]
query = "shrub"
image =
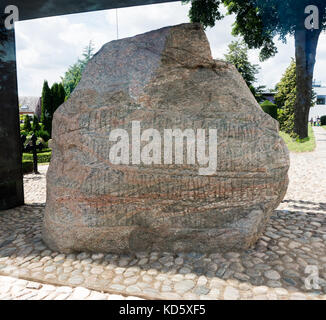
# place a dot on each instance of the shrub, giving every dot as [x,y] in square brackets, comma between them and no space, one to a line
[36,125]
[28,139]
[27,166]
[270,108]
[323,120]
[27,123]
[40,140]
[43,134]
[27,157]
[23,133]
[44,157]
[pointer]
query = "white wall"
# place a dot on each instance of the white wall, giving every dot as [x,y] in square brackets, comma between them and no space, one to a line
[317,110]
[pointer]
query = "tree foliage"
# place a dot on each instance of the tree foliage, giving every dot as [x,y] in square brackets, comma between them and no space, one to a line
[46,117]
[61,94]
[51,100]
[205,12]
[55,97]
[285,99]
[260,21]
[58,96]
[27,124]
[238,56]
[36,125]
[283,18]
[73,74]
[249,23]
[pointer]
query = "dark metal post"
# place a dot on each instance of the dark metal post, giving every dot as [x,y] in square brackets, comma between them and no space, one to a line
[34,138]
[11,175]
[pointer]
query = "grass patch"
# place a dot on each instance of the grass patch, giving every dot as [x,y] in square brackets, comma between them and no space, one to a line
[300,145]
[42,157]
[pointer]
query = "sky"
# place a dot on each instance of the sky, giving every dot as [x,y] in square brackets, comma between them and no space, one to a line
[47,47]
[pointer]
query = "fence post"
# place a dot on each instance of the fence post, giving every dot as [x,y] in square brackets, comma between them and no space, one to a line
[34,138]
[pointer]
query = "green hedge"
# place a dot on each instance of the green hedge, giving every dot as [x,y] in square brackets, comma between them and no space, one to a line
[42,157]
[323,120]
[27,157]
[270,108]
[27,166]
[44,150]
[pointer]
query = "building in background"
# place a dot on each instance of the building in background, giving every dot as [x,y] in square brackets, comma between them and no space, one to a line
[319,109]
[30,106]
[269,95]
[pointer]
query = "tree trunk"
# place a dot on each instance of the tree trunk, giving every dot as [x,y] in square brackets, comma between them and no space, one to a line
[305,52]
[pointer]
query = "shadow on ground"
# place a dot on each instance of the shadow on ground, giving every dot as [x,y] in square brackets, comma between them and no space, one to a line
[292,241]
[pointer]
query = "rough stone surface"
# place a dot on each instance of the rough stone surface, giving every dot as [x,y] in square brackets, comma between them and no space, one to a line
[166,79]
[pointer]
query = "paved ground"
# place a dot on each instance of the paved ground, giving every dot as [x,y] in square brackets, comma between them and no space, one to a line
[320,134]
[18,289]
[276,268]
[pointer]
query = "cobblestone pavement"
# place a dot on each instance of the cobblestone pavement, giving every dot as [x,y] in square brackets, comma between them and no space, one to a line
[274,269]
[18,289]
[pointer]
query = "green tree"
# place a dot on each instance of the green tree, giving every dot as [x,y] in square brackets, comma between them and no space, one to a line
[72,78]
[47,106]
[285,98]
[58,96]
[27,123]
[74,73]
[61,94]
[36,125]
[259,21]
[55,99]
[51,100]
[238,56]
[87,55]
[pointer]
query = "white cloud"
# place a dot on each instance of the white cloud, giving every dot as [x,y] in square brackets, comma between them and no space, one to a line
[46,47]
